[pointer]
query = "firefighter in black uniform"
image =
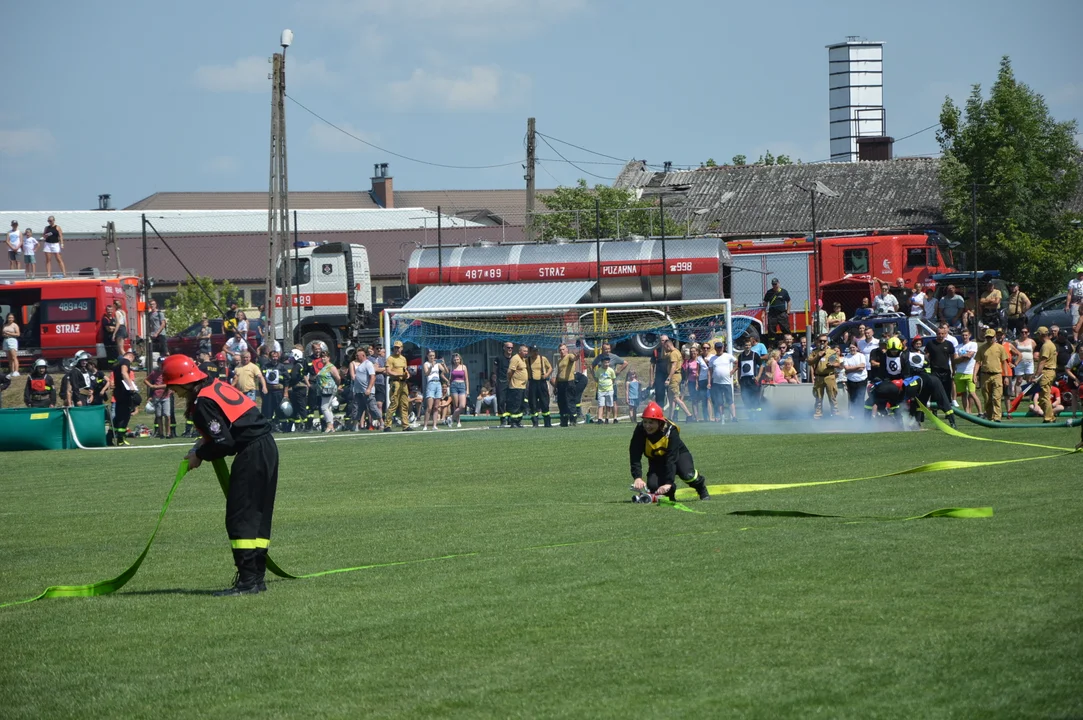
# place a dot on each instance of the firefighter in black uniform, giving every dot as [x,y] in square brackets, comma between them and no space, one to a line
[124,395]
[77,387]
[499,381]
[297,381]
[894,364]
[667,457]
[231,424]
[891,394]
[539,374]
[915,357]
[40,391]
[101,381]
[209,367]
[275,372]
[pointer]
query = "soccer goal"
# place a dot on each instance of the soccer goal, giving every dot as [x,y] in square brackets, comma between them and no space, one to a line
[639,324]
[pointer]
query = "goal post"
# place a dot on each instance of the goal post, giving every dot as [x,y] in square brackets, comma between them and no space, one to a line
[548,325]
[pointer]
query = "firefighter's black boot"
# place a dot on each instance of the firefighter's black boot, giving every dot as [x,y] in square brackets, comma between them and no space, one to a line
[534,421]
[548,421]
[261,569]
[245,582]
[700,486]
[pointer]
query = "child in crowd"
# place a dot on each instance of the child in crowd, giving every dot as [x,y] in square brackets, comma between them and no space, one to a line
[30,244]
[606,378]
[631,391]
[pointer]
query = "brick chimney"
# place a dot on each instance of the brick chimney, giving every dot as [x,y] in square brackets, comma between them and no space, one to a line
[875,148]
[382,192]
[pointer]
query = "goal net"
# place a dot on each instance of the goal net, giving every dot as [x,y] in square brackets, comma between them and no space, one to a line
[547,326]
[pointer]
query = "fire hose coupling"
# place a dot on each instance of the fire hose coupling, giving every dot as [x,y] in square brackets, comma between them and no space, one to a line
[642,496]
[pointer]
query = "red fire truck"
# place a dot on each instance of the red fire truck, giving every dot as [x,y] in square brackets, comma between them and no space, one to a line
[846,268]
[59,317]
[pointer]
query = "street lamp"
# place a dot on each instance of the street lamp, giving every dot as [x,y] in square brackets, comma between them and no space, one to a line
[817,188]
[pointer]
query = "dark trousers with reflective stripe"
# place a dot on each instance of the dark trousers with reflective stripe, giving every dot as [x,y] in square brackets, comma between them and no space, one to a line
[514,407]
[566,398]
[123,414]
[253,480]
[538,397]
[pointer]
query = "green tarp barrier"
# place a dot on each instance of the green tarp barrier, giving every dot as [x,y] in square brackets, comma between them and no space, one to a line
[47,428]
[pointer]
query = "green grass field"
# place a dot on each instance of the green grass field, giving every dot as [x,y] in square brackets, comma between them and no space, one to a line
[573,602]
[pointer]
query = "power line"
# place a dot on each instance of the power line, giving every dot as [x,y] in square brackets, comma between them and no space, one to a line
[399,155]
[577,147]
[904,137]
[588,172]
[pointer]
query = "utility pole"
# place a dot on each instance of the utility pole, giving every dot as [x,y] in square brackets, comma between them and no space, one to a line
[278,206]
[530,180]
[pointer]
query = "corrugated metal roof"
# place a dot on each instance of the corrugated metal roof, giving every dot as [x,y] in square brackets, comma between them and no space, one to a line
[480,298]
[91,223]
[763,199]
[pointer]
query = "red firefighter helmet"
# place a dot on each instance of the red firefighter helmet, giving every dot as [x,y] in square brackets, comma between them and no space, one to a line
[181,370]
[897,383]
[653,411]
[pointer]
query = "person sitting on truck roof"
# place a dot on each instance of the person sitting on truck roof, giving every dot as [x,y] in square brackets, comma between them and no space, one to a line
[885,302]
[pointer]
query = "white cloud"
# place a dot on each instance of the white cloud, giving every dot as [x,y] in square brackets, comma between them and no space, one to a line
[479,19]
[249,75]
[223,165]
[27,141]
[326,138]
[481,87]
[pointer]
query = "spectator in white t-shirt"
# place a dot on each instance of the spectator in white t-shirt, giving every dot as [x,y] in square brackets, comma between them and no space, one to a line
[965,388]
[855,364]
[868,343]
[885,302]
[1075,297]
[30,244]
[932,305]
[720,382]
[15,244]
[917,301]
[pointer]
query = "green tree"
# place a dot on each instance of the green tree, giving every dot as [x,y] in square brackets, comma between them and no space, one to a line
[769,159]
[571,214]
[197,300]
[710,163]
[739,160]
[1023,166]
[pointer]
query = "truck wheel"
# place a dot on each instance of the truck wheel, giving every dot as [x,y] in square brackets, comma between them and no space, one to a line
[644,343]
[310,337]
[752,333]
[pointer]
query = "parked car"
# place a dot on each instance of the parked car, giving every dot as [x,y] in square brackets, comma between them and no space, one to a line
[187,340]
[1049,313]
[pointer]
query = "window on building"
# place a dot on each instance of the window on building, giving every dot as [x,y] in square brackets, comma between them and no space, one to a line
[855,261]
[258,299]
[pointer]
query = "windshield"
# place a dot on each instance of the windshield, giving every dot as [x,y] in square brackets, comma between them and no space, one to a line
[301,274]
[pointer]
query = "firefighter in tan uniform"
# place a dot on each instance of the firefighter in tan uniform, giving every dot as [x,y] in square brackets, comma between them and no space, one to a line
[991,361]
[674,361]
[517,376]
[398,375]
[1046,372]
[540,372]
[823,361]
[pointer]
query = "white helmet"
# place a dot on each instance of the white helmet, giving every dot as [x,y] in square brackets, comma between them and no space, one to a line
[41,363]
[286,408]
[298,354]
[149,407]
[81,356]
[334,403]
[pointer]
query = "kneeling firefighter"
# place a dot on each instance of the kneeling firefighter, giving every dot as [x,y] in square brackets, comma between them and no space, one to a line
[231,424]
[667,457]
[889,395]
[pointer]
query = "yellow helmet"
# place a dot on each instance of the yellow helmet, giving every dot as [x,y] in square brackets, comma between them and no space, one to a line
[894,343]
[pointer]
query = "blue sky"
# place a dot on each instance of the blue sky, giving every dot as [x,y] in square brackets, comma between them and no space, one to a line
[132,98]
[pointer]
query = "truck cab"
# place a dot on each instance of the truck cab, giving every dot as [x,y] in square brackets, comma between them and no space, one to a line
[331,296]
[915,258]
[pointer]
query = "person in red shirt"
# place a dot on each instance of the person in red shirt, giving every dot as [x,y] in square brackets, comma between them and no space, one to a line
[231,424]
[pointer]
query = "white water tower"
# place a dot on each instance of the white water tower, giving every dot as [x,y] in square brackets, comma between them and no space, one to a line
[856,82]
